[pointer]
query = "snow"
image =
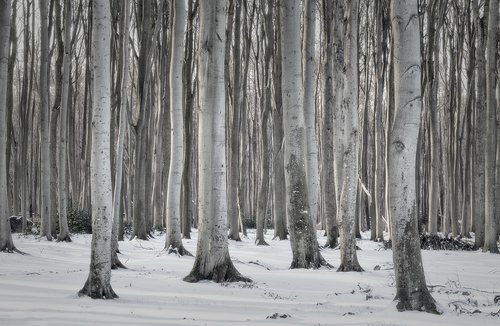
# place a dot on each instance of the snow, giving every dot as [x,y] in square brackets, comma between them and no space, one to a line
[41,288]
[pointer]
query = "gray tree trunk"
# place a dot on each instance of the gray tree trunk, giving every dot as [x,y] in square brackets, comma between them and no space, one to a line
[305,248]
[46,197]
[480,128]
[212,260]
[98,284]
[348,181]
[411,289]
[309,81]
[328,203]
[117,191]
[173,241]
[63,122]
[6,243]
[491,219]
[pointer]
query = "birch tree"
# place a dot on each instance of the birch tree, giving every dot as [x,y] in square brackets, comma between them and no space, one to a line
[98,284]
[173,242]
[6,243]
[411,289]
[212,260]
[305,248]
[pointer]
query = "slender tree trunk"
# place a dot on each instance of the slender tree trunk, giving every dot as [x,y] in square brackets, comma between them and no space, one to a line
[173,241]
[117,191]
[279,189]
[411,289]
[328,204]
[234,145]
[491,219]
[98,284]
[212,260]
[63,122]
[305,248]
[480,128]
[348,182]
[309,81]
[6,243]
[46,189]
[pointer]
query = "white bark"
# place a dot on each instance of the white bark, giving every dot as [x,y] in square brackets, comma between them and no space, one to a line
[348,181]
[173,241]
[63,187]
[45,172]
[491,220]
[117,191]
[212,256]
[6,243]
[98,284]
[305,248]
[411,289]
[309,64]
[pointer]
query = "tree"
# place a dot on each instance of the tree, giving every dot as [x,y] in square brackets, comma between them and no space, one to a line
[411,289]
[327,171]
[348,156]
[305,248]
[63,122]
[43,88]
[98,284]
[309,80]
[117,191]
[6,243]
[491,220]
[173,241]
[212,260]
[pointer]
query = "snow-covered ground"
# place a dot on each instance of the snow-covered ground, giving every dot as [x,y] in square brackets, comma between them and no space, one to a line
[41,288]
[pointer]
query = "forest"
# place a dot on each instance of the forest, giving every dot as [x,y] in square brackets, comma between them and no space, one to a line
[201,127]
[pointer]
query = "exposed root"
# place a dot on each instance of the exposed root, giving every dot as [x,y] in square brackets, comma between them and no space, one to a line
[179,251]
[225,272]
[65,238]
[355,267]
[97,291]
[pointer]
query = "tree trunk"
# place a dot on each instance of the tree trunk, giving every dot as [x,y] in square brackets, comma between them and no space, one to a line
[411,289]
[98,284]
[491,219]
[328,204]
[480,128]
[46,189]
[348,181]
[212,260]
[309,82]
[173,241]
[305,248]
[117,191]
[6,243]
[279,189]
[63,122]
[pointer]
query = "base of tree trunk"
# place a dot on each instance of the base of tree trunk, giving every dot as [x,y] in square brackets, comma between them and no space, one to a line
[179,251]
[63,238]
[316,263]
[261,242]
[237,239]
[115,261]
[280,237]
[354,267]
[224,272]
[10,248]
[425,303]
[96,290]
[330,244]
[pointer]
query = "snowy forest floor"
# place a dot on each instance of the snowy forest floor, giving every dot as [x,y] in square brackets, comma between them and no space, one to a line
[41,288]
